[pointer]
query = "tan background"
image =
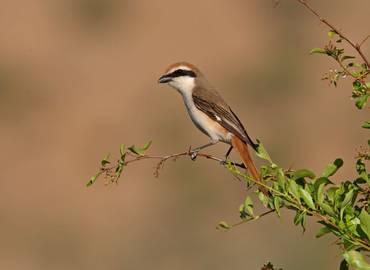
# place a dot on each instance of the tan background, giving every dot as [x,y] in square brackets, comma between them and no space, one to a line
[79,77]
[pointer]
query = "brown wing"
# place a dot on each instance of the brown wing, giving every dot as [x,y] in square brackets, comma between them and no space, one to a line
[212,104]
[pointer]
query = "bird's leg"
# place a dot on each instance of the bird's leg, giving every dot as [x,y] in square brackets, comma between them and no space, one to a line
[228,152]
[194,153]
[223,162]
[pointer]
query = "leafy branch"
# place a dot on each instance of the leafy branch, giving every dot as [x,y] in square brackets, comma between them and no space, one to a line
[342,209]
[358,71]
[334,29]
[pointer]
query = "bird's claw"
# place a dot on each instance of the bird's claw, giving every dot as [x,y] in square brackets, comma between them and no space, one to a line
[223,162]
[193,155]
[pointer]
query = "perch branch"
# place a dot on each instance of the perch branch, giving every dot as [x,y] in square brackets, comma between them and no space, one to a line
[112,172]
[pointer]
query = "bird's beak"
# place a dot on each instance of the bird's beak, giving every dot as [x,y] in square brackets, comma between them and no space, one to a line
[164,79]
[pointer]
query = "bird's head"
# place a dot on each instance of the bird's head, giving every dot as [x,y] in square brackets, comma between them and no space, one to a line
[182,76]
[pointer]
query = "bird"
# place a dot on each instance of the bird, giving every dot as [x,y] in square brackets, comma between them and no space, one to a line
[210,113]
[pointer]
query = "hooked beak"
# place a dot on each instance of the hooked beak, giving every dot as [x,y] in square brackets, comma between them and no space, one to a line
[164,79]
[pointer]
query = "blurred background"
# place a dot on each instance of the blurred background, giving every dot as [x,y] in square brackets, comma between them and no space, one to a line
[79,77]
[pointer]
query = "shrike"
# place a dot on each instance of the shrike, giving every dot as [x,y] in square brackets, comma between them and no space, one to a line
[209,112]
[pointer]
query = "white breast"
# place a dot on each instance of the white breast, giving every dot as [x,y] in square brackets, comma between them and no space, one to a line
[208,126]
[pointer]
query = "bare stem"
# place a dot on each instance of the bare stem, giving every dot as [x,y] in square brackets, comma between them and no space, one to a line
[355,45]
[253,218]
[364,40]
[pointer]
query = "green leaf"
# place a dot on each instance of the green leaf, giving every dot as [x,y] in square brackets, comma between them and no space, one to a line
[223,225]
[297,218]
[264,171]
[242,212]
[248,206]
[277,205]
[331,33]
[280,178]
[321,180]
[348,245]
[361,101]
[353,224]
[343,265]
[366,124]
[320,194]
[347,198]
[330,194]
[332,167]
[333,229]
[307,198]
[278,202]
[355,74]
[93,179]
[346,57]
[293,188]
[322,231]
[328,209]
[300,219]
[263,198]
[134,149]
[359,181]
[361,169]
[105,160]
[118,172]
[146,146]
[122,150]
[365,222]
[318,50]
[357,85]
[356,260]
[302,174]
[262,153]
[139,151]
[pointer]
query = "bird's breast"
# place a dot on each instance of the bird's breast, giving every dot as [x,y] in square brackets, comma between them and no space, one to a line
[203,122]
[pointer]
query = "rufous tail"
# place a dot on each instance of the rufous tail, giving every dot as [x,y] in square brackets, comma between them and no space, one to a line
[243,150]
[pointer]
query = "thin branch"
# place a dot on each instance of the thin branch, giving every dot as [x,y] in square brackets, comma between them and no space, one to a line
[174,157]
[253,218]
[110,172]
[355,45]
[364,40]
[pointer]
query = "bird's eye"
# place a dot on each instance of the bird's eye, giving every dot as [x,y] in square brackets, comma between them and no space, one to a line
[179,72]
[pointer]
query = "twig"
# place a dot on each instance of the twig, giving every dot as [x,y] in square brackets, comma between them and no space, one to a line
[253,218]
[355,45]
[364,40]
[109,170]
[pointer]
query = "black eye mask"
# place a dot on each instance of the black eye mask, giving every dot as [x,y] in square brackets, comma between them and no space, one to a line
[182,72]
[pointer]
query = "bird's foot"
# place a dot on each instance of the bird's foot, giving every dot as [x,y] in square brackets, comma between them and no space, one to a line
[227,161]
[194,154]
